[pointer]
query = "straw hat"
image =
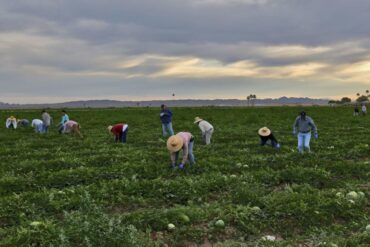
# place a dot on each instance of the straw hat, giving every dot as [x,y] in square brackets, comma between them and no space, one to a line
[110,127]
[174,143]
[197,120]
[264,131]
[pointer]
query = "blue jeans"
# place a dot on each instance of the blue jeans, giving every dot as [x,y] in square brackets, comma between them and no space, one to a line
[304,141]
[167,129]
[123,136]
[191,157]
[39,128]
[45,129]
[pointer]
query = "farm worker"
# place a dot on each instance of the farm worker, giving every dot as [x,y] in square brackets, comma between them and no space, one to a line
[267,138]
[119,131]
[363,109]
[72,127]
[356,111]
[166,119]
[38,125]
[11,123]
[65,118]
[23,123]
[46,119]
[184,141]
[206,128]
[304,124]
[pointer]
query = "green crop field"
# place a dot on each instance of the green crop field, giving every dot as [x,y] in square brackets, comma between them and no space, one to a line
[59,190]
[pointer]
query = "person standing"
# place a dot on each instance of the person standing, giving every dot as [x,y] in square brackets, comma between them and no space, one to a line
[46,119]
[38,125]
[65,118]
[119,131]
[11,123]
[304,124]
[364,110]
[184,141]
[206,129]
[72,127]
[267,138]
[166,119]
[356,111]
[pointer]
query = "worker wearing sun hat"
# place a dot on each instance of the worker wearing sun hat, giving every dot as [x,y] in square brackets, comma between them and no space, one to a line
[206,128]
[184,141]
[119,131]
[267,138]
[11,123]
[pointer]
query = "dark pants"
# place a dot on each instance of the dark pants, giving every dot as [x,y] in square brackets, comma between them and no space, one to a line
[123,136]
[269,140]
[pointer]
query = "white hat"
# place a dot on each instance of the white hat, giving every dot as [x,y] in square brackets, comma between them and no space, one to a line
[264,131]
[109,128]
[174,143]
[197,120]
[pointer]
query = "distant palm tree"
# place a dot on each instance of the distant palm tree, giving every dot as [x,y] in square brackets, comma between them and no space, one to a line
[251,99]
[248,99]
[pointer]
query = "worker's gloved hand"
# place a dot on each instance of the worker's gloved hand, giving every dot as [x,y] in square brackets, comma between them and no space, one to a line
[182,166]
[316,136]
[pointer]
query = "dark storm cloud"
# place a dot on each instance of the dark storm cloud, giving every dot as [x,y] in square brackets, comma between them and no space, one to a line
[96,44]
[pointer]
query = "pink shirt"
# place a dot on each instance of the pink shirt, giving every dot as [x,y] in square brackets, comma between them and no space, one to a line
[186,137]
[68,126]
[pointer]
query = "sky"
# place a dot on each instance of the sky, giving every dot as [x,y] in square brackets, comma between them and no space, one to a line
[62,50]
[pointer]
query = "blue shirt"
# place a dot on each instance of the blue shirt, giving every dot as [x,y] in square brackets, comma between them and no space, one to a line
[166,116]
[65,118]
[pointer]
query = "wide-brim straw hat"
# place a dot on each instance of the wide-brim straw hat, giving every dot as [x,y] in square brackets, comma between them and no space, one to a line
[264,131]
[197,120]
[109,128]
[174,143]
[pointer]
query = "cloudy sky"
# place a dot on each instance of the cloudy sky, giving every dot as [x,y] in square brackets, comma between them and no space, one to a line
[58,50]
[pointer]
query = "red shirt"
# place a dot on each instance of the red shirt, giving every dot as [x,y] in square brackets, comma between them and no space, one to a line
[117,129]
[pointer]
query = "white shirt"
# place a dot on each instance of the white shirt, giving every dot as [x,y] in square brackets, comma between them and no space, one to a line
[363,108]
[204,126]
[125,126]
[10,121]
[36,122]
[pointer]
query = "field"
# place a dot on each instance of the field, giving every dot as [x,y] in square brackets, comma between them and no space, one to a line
[58,190]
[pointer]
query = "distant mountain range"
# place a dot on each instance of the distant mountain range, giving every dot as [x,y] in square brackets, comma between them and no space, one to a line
[156,103]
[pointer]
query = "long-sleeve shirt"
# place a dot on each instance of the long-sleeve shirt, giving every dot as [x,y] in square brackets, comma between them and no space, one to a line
[23,122]
[11,121]
[166,116]
[186,138]
[36,122]
[270,137]
[68,126]
[118,129]
[46,119]
[304,125]
[205,126]
[64,119]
